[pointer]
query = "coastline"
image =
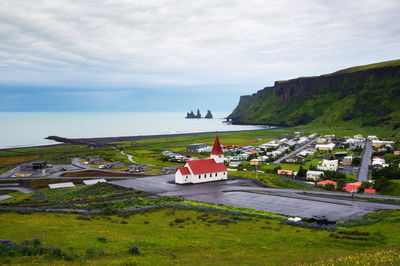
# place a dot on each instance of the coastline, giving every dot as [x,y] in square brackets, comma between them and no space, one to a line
[101,141]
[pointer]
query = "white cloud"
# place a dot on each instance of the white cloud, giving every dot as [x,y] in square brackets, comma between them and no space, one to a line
[160,44]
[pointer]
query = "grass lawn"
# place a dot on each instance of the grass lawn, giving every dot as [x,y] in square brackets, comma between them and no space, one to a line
[294,167]
[78,193]
[270,180]
[190,237]
[17,159]
[393,189]
[313,161]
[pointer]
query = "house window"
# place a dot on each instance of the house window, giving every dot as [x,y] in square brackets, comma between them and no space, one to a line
[205,176]
[224,173]
[210,175]
[199,176]
[215,174]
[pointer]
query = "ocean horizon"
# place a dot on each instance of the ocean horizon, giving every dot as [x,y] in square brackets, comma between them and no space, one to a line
[24,129]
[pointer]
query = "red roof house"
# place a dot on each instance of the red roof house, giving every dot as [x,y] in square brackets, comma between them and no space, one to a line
[369,190]
[325,182]
[351,188]
[285,172]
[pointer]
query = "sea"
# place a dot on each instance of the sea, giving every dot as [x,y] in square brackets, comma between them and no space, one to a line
[23,129]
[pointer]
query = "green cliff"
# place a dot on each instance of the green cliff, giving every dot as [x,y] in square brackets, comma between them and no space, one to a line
[360,96]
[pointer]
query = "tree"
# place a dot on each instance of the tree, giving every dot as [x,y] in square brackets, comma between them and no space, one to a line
[340,185]
[302,172]
[365,185]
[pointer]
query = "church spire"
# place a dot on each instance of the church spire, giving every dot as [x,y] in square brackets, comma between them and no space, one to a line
[217,150]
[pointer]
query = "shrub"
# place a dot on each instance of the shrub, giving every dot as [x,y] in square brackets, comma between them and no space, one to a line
[90,252]
[102,239]
[83,217]
[31,247]
[134,250]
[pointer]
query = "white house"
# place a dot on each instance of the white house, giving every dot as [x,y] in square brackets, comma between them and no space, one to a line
[200,171]
[328,165]
[325,147]
[372,138]
[315,175]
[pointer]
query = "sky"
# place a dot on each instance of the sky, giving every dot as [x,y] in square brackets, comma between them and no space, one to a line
[155,55]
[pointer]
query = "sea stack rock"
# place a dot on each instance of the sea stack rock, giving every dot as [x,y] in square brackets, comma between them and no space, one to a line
[209,114]
[190,115]
[198,114]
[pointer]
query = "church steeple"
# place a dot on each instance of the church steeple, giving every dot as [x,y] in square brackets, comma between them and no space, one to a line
[217,154]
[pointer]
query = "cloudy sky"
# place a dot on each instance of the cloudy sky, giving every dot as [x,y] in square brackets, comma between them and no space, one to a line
[123,55]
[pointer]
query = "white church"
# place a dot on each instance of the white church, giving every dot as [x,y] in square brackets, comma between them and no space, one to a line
[200,171]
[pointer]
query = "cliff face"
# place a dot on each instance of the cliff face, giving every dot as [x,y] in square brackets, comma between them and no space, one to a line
[363,96]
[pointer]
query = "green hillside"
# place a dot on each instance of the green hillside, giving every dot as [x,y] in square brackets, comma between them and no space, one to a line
[360,96]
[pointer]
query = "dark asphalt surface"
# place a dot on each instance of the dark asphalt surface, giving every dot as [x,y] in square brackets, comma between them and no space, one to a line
[363,174]
[246,193]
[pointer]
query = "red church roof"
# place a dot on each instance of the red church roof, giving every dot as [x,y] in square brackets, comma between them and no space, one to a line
[205,166]
[184,170]
[217,148]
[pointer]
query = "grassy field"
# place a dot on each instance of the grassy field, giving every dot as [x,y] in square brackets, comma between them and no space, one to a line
[61,154]
[78,193]
[393,189]
[171,236]
[149,151]
[270,180]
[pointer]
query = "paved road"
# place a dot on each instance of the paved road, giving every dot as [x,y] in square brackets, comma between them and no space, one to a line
[246,193]
[295,151]
[20,189]
[363,174]
[4,197]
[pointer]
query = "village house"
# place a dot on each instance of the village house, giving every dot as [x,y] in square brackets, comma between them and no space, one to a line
[137,168]
[370,138]
[369,191]
[314,175]
[313,135]
[95,160]
[199,147]
[200,171]
[348,160]
[359,137]
[325,147]
[326,182]
[352,187]
[285,172]
[170,170]
[114,165]
[328,165]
